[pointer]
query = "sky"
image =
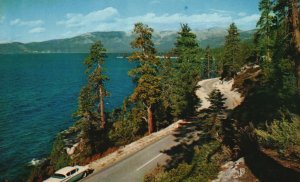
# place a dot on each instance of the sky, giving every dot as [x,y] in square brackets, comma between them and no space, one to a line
[39,20]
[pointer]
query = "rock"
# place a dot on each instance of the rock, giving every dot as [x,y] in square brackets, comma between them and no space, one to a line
[70,151]
[235,172]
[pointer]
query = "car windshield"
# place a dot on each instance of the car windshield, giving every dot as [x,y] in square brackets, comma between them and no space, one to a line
[59,176]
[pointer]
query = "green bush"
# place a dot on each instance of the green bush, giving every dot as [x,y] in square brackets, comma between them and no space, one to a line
[58,157]
[123,132]
[127,126]
[282,135]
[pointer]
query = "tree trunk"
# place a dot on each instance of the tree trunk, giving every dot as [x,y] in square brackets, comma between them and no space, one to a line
[150,120]
[102,107]
[208,69]
[296,37]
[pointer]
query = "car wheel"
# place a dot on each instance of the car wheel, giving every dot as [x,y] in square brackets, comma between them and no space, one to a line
[84,174]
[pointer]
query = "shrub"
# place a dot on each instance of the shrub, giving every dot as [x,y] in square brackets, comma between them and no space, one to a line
[128,126]
[123,132]
[282,135]
[58,157]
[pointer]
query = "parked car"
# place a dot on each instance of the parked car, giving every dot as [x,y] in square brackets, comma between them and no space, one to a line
[69,174]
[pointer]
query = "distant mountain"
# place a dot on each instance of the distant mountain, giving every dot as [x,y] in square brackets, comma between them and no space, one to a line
[116,42]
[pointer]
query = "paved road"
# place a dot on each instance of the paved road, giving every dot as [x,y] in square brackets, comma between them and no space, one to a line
[231,99]
[134,168]
[208,85]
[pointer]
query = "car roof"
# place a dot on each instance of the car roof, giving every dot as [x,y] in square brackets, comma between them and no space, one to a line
[65,170]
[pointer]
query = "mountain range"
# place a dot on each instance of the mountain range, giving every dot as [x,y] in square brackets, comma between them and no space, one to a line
[117,42]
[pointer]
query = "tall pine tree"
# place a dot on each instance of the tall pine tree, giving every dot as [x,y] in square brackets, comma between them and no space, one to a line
[91,99]
[287,14]
[265,29]
[148,88]
[231,60]
[90,103]
[208,62]
[186,74]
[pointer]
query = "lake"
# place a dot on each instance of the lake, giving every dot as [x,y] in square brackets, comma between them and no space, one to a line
[38,94]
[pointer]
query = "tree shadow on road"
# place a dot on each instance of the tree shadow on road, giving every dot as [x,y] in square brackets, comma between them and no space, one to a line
[188,135]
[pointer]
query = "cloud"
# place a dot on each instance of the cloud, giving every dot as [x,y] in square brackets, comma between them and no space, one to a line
[200,21]
[242,14]
[2,18]
[151,18]
[109,19]
[221,11]
[248,19]
[37,30]
[80,20]
[155,2]
[247,22]
[172,21]
[19,22]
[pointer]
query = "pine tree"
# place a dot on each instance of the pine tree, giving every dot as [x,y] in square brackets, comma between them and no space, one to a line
[187,71]
[208,59]
[90,103]
[91,99]
[231,61]
[265,28]
[148,88]
[167,83]
[217,101]
[295,30]
[287,14]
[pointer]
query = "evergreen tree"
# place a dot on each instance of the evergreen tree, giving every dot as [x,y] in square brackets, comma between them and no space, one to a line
[96,80]
[186,45]
[148,88]
[265,28]
[90,102]
[217,101]
[287,14]
[187,71]
[167,74]
[208,62]
[231,61]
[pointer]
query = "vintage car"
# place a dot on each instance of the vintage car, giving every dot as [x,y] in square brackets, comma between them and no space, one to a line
[69,174]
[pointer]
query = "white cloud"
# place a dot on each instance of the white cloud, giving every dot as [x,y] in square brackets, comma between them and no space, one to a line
[155,2]
[80,20]
[221,11]
[200,21]
[37,30]
[151,18]
[2,18]
[248,19]
[249,22]
[32,23]
[108,19]
[172,21]
[242,14]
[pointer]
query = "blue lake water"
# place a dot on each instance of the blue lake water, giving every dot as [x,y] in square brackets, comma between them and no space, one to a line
[38,94]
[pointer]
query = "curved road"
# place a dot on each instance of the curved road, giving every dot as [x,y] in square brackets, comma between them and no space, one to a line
[233,98]
[134,167]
